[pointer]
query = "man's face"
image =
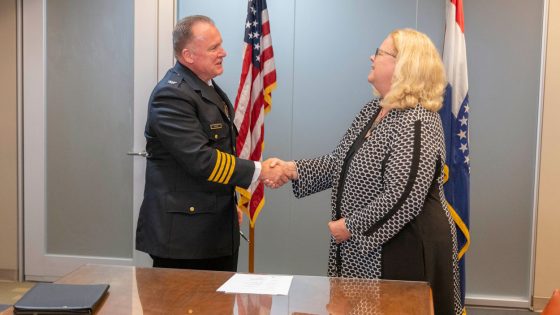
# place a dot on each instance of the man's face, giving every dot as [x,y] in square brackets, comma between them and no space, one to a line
[204,54]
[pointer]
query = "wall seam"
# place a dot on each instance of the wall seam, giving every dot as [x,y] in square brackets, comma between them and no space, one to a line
[538,149]
[19,124]
[292,202]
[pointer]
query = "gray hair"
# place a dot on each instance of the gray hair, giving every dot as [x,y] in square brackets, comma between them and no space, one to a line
[182,33]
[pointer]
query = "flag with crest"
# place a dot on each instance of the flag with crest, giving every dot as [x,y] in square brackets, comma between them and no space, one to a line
[455,119]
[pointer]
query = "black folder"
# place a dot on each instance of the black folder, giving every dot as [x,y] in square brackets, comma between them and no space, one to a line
[53,298]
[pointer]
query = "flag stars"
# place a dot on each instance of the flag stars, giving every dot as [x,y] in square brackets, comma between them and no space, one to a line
[463,147]
[464,121]
[462,134]
[467,161]
[467,108]
[253,10]
[253,35]
[257,46]
[248,24]
[255,23]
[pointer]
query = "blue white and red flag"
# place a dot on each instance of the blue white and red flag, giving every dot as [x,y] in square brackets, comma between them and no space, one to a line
[455,119]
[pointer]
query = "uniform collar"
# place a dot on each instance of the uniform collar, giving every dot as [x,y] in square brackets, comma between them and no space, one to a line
[208,92]
[212,93]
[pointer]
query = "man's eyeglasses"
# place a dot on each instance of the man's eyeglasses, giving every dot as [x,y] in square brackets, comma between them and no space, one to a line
[379,52]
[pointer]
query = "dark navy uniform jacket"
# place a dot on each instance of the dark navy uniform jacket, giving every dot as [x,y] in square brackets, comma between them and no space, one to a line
[189,209]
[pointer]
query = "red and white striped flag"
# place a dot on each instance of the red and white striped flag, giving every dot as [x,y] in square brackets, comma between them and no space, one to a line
[258,79]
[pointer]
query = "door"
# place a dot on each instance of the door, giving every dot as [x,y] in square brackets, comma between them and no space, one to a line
[88,70]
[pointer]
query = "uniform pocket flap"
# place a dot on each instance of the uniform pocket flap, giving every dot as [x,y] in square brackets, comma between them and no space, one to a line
[190,202]
[218,131]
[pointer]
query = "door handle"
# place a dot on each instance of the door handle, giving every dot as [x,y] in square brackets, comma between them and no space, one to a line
[141,153]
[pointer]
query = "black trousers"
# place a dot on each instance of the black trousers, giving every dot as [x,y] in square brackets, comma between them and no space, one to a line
[224,263]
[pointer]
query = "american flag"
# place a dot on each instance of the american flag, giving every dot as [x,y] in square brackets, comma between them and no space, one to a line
[258,79]
[455,119]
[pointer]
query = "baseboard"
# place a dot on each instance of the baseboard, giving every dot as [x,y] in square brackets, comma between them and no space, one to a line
[497,301]
[539,303]
[8,275]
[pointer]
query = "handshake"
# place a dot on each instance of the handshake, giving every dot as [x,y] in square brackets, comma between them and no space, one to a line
[275,172]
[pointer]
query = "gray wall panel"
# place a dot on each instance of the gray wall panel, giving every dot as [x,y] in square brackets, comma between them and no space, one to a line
[504,48]
[431,20]
[89,127]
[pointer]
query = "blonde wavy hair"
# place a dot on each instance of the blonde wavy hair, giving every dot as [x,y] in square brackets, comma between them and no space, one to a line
[419,76]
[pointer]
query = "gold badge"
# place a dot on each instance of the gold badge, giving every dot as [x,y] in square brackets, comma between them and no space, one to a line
[215,126]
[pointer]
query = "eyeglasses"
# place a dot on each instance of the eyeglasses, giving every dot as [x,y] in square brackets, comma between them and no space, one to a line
[380,51]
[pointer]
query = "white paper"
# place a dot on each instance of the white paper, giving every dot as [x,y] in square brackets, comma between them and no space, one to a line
[257,284]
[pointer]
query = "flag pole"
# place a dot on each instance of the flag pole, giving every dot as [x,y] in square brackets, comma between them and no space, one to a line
[251,249]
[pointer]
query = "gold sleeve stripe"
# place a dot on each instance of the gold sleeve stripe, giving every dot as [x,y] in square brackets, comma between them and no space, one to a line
[220,167]
[216,167]
[232,168]
[226,168]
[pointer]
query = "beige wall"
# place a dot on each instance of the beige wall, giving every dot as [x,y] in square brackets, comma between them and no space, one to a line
[547,269]
[8,140]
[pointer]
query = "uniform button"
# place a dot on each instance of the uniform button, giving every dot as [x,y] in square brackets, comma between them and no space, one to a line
[215,136]
[191,209]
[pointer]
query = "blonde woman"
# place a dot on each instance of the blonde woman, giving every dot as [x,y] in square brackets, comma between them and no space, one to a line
[389,214]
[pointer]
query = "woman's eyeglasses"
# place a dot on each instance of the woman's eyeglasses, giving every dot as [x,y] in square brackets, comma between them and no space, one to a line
[380,51]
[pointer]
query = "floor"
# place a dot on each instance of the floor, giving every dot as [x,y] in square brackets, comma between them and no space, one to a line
[10,292]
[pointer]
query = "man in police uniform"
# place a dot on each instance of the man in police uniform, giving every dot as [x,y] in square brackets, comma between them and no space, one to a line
[188,218]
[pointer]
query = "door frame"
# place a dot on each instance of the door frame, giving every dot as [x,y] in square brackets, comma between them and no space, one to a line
[153,19]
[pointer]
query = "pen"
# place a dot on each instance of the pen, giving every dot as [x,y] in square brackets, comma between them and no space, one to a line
[244,237]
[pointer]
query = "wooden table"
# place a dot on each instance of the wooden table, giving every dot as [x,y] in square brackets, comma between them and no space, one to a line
[135,290]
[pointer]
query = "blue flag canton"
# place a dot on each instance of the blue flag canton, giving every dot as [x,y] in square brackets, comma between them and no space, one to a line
[253,29]
[462,134]
[456,131]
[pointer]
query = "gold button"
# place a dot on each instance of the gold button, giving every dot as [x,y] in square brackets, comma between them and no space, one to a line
[191,209]
[215,136]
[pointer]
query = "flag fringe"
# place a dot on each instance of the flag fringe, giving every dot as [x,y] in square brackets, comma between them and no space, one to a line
[458,220]
[463,227]
[244,204]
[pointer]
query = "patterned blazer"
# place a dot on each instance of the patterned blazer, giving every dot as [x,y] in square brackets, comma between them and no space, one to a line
[384,186]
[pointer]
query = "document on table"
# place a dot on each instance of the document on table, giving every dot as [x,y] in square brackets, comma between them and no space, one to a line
[257,284]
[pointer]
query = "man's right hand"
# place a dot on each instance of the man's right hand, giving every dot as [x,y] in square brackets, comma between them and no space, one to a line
[275,172]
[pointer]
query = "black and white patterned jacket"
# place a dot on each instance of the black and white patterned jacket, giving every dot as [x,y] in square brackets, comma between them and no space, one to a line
[385,185]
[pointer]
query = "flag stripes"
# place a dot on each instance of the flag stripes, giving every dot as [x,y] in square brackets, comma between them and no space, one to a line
[253,100]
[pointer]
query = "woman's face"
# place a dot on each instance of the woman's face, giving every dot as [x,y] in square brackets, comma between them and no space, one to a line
[382,66]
